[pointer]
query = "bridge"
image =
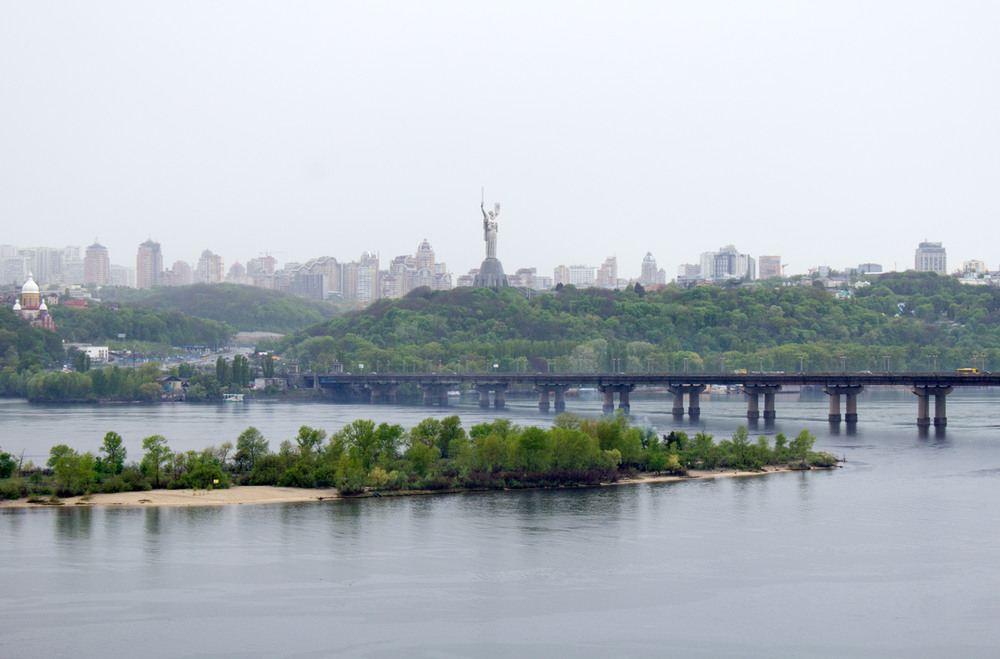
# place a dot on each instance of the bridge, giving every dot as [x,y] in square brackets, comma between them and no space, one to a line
[552,387]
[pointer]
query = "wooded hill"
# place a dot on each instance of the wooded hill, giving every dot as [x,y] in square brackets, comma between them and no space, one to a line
[244,307]
[635,330]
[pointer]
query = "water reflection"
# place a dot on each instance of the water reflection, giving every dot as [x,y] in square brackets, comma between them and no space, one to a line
[74,524]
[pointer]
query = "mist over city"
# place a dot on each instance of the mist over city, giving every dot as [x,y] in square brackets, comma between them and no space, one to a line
[832,135]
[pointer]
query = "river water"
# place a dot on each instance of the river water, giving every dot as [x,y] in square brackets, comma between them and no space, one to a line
[896,554]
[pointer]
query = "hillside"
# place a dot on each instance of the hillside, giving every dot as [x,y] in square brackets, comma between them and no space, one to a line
[23,346]
[769,327]
[104,323]
[245,308]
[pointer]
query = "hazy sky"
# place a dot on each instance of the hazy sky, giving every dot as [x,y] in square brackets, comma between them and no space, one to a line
[826,132]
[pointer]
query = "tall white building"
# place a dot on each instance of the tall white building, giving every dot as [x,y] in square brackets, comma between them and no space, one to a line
[727,263]
[931,257]
[581,276]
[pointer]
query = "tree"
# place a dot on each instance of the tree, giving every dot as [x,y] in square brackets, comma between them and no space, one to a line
[81,362]
[222,373]
[157,454]
[267,365]
[801,445]
[250,447]
[114,453]
[7,464]
[309,439]
[72,471]
[241,370]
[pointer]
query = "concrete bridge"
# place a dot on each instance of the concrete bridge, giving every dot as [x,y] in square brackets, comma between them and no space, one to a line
[551,388]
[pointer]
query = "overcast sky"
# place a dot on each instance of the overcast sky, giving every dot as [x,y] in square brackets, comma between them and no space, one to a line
[828,133]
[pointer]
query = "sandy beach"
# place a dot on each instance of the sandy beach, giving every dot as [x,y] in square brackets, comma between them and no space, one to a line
[262,494]
[246,494]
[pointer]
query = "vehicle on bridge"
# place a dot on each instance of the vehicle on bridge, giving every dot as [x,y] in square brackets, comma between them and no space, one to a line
[967,371]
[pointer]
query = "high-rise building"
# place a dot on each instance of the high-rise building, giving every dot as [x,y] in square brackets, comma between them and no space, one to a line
[869,268]
[211,269]
[122,275]
[97,265]
[560,275]
[770,266]
[148,265]
[367,278]
[607,274]
[727,263]
[931,257]
[650,273]
[237,274]
[582,276]
[180,274]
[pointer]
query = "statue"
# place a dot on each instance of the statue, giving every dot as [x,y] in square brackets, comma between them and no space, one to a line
[491,272]
[490,228]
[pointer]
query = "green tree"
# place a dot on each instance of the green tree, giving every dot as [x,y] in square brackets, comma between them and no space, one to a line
[250,447]
[801,445]
[309,439]
[157,455]
[73,472]
[81,362]
[114,452]
[222,372]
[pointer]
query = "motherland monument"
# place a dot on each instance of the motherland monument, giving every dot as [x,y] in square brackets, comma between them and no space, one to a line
[491,274]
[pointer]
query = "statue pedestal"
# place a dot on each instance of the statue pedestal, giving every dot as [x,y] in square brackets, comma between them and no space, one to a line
[491,275]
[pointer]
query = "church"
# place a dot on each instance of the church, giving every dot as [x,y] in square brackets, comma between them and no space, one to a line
[32,307]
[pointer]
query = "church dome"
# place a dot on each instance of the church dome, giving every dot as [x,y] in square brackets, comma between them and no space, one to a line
[43,306]
[29,286]
[17,305]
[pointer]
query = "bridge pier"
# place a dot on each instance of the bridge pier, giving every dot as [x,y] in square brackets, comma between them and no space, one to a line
[940,406]
[383,394]
[851,392]
[560,393]
[609,400]
[499,399]
[609,391]
[753,392]
[693,391]
[543,399]
[435,394]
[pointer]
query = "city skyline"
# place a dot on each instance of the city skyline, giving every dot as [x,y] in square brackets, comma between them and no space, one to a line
[828,133]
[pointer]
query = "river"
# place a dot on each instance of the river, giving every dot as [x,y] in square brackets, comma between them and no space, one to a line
[895,554]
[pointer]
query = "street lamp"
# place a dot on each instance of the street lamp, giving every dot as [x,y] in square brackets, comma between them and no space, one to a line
[649,364]
[843,363]
[886,358]
[723,360]
[686,364]
[761,358]
[801,360]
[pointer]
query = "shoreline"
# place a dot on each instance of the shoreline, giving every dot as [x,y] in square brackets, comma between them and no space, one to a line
[267,494]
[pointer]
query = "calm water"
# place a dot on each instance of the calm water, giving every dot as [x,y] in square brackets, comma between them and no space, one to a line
[895,555]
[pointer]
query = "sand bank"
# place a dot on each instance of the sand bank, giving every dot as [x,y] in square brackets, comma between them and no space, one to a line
[255,494]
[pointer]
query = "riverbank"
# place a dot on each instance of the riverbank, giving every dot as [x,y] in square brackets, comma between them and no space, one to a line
[265,494]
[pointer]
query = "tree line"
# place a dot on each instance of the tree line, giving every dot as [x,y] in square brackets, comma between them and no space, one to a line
[919,321]
[436,454]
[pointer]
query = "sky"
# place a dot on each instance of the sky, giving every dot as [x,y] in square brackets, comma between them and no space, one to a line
[826,132]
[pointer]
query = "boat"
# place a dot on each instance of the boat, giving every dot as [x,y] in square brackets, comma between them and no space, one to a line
[232,398]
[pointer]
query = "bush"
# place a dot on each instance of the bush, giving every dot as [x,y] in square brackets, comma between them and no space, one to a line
[298,475]
[14,489]
[821,460]
[205,476]
[115,484]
